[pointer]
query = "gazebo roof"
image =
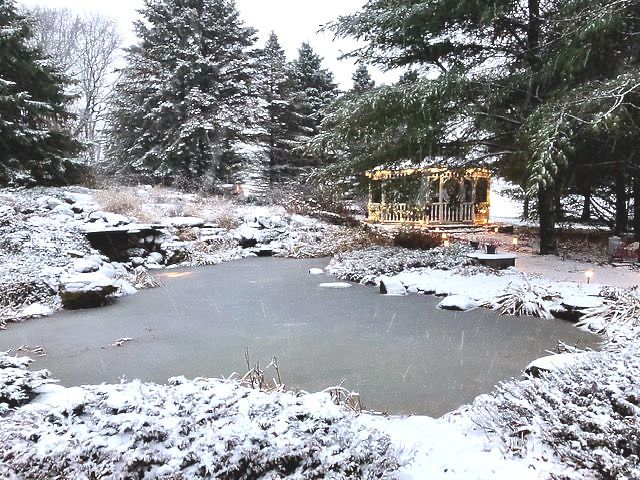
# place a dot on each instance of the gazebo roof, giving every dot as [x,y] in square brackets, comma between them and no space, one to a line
[407,167]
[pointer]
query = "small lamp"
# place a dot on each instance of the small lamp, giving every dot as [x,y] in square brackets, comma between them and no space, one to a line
[514,241]
[446,243]
[589,275]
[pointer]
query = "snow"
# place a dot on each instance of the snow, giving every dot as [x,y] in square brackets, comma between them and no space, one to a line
[337,285]
[316,271]
[137,422]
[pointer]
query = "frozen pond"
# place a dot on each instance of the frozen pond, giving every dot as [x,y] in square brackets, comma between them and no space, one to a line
[400,353]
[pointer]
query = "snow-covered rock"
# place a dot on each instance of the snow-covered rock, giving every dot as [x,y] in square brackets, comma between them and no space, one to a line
[86,290]
[111,219]
[155,257]
[392,286]
[460,303]
[581,302]
[36,310]
[551,363]
[316,271]
[183,222]
[63,209]
[86,265]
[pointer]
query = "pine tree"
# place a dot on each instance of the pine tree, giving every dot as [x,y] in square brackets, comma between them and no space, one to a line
[33,138]
[313,88]
[362,81]
[523,84]
[182,102]
[274,91]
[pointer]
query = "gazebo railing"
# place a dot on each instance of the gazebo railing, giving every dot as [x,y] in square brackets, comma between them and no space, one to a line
[433,213]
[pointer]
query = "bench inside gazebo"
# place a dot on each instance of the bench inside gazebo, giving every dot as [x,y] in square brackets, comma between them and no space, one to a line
[429,196]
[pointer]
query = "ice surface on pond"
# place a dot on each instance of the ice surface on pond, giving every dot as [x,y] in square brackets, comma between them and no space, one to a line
[199,322]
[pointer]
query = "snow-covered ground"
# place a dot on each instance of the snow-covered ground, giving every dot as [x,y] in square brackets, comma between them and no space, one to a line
[578,421]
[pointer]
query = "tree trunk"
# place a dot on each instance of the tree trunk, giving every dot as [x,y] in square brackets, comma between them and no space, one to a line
[525,208]
[622,215]
[586,206]
[636,205]
[546,212]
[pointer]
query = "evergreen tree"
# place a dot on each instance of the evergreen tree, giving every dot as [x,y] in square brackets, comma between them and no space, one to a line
[362,81]
[275,119]
[523,84]
[313,88]
[182,102]
[33,138]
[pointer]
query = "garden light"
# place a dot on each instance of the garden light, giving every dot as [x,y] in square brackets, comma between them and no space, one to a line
[514,241]
[589,275]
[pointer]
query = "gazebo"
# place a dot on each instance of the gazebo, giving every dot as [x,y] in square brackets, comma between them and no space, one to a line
[429,196]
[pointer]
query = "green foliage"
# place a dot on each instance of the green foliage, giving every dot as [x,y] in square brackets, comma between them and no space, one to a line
[523,86]
[362,81]
[183,98]
[33,137]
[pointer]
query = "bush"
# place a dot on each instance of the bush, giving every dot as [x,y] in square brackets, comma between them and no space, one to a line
[364,266]
[588,413]
[417,240]
[192,429]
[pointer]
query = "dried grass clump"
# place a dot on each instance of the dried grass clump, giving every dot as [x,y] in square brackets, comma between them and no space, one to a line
[122,200]
[226,219]
[417,240]
[524,299]
[140,278]
[620,309]
[256,378]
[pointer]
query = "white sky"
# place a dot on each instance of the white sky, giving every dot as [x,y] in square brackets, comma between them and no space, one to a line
[295,21]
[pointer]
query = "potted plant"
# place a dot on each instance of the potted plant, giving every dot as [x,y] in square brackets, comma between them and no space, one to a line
[474,243]
[491,246]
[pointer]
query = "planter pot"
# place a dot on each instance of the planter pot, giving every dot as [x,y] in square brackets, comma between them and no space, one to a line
[474,245]
[491,249]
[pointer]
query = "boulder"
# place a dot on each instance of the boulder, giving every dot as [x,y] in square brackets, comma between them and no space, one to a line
[460,303]
[554,362]
[86,290]
[246,235]
[392,286]
[183,222]
[63,209]
[86,265]
[36,310]
[155,257]
[316,271]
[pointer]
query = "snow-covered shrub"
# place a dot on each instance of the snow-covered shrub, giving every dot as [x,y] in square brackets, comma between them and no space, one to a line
[588,413]
[619,310]
[523,299]
[17,382]
[364,266]
[192,429]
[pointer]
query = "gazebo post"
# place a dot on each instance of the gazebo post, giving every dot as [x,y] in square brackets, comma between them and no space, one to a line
[440,197]
[474,183]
